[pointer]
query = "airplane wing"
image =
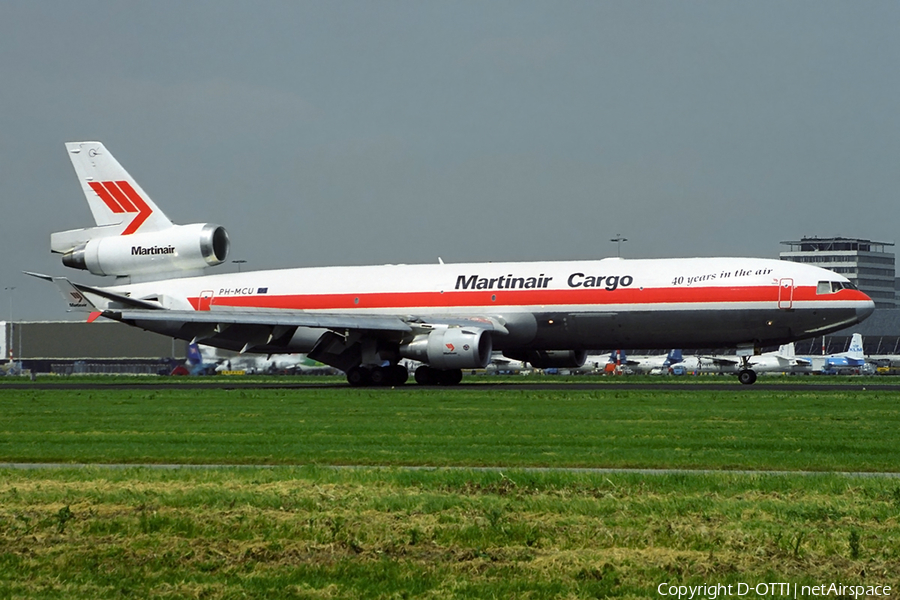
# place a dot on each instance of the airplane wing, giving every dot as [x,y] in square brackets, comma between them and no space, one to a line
[292,318]
[794,360]
[721,360]
[133,309]
[266,330]
[265,317]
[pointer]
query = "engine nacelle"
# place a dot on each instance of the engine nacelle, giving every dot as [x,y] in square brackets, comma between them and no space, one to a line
[179,248]
[549,359]
[451,348]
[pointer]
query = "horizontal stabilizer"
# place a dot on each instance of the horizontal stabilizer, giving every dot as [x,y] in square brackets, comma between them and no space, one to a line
[63,242]
[68,289]
[75,299]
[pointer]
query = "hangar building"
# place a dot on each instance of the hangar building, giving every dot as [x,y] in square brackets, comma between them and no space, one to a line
[67,347]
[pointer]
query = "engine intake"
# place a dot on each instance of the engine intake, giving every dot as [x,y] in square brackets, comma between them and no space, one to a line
[179,248]
[451,348]
[549,359]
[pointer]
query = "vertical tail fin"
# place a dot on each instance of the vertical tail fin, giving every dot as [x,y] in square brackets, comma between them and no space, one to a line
[117,202]
[113,195]
[194,356]
[674,357]
[856,347]
[787,351]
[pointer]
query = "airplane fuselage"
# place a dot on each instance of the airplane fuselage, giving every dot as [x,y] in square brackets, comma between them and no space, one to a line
[648,303]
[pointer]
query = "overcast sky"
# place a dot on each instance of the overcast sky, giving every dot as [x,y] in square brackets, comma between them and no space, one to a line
[323,133]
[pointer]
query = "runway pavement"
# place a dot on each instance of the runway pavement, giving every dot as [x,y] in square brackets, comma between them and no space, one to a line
[467,384]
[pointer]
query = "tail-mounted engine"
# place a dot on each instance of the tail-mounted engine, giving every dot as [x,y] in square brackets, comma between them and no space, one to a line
[451,348]
[178,248]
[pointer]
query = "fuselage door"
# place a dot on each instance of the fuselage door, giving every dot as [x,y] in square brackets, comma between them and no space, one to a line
[205,300]
[785,293]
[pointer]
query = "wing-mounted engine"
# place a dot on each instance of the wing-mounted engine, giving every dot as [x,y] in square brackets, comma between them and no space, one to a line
[176,249]
[549,359]
[450,348]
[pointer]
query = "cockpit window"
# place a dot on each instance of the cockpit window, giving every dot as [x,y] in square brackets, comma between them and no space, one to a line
[830,287]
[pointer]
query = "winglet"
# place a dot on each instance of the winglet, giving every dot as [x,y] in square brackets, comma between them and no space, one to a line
[76,300]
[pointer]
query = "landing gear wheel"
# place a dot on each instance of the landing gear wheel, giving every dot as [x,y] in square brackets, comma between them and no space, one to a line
[451,377]
[426,375]
[380,376]
[358,377]
[747,376]
[399,374]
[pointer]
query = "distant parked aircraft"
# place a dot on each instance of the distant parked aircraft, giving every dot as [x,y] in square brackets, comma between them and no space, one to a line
[853,359]
[656,363]
[782,360]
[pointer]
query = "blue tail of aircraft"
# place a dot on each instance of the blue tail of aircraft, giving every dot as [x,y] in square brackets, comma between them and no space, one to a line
[673,358]
[193,354]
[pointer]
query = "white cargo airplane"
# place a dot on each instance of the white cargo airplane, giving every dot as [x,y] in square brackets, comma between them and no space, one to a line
[365,320]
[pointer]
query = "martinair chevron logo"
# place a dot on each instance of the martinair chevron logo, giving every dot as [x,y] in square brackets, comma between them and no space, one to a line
[120,197]
[77,300]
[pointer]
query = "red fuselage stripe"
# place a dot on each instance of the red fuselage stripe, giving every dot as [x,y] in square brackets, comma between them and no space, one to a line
[584,297]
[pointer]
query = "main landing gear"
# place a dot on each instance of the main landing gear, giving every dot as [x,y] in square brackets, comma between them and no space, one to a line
[382,376]
[397,375]
[426,375]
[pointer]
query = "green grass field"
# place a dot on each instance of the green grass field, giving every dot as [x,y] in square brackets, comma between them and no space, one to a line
[313,531]
[693,428]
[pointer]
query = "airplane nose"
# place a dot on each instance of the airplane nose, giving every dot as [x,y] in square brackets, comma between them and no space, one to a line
[865,311]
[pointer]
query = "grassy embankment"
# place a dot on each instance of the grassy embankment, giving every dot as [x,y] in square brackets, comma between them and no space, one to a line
[314,532]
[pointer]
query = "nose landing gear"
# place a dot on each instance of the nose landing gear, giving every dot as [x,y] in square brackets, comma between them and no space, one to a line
[746,375]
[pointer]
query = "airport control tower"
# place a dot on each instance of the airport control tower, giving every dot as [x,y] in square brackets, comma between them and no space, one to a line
[863,262]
